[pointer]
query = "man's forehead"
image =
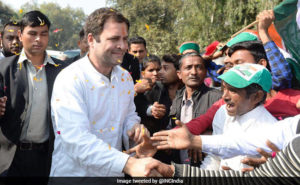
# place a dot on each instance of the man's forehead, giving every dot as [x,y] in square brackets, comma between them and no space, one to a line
[37,28]
[168,64]
[137,46]
[191,59]
[11,29]
[112,23]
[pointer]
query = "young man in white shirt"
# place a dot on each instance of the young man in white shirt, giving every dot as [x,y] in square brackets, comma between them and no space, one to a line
[93,109]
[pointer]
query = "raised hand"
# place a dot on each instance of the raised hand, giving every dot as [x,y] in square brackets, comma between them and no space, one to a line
[144,149]
[136,133]
[265,19]
[255,162]
[158,110]
[179,138]
[143,85]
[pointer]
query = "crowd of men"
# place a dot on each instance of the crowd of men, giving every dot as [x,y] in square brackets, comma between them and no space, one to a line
[118,109]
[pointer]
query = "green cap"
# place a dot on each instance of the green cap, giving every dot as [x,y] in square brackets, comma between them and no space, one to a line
[243,75]
[189,45]
[242,37]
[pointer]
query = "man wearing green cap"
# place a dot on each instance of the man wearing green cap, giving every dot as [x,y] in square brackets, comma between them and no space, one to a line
[245,90]
[189,47]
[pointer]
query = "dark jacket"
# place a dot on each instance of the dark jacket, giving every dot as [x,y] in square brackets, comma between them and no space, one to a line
[159,93]
[204,97]
[14,85]
[131,64]
[143,100]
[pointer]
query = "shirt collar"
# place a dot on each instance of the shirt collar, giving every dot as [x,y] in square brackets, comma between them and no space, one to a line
[23,57]
[184,99]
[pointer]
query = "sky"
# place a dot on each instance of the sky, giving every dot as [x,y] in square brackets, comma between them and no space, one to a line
[88,6]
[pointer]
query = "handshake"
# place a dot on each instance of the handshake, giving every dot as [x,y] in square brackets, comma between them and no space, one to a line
[143,165]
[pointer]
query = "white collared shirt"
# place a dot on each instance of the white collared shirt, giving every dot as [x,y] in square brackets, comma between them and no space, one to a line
[226,146]
[91,116]
[223,124]
[186,115]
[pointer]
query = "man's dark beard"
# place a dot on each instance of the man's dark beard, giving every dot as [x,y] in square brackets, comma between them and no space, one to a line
[7,53]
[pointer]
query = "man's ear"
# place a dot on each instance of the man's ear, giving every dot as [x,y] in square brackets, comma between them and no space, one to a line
[90,40]
[258,96]
[179,74]
[263,62]
[20,35]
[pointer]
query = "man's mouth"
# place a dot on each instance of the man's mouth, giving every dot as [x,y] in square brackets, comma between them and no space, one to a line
[37,46]
[229,105]
[14,49]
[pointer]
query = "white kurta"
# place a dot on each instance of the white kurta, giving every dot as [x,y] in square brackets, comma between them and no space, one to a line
[91,116]
[223,124]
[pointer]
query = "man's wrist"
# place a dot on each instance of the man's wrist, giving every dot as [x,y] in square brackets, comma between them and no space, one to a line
[264,36]
[128,165]
[196,142]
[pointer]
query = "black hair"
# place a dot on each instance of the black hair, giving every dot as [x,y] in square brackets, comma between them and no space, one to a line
[172,58]
[10,23]
[150,59]
[256,48]
[137,40]
[33,19]
[254,88]
[206,63]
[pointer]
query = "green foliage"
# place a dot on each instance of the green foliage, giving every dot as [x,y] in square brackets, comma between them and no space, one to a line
[6,14]
[172,22]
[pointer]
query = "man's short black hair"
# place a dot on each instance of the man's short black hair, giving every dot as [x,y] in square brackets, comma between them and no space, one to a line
[33,19]
[172,58]
[256,48]
[137,40]
[10,23]
[150,59]
[192,54]
[254,88]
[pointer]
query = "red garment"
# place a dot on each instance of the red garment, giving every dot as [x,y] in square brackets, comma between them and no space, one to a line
[282,105]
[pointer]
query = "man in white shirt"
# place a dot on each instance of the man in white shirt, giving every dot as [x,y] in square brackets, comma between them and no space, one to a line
[245,90]
[93,110]
[285,163]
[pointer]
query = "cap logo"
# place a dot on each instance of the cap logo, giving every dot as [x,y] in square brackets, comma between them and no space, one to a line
[245,71]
